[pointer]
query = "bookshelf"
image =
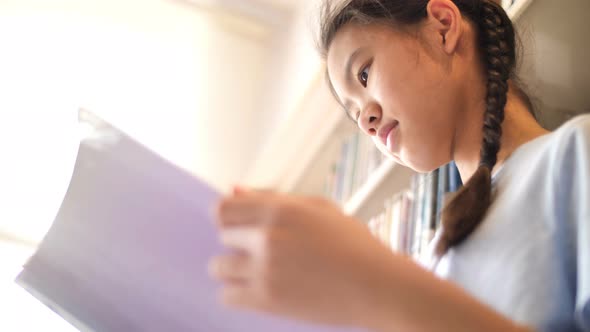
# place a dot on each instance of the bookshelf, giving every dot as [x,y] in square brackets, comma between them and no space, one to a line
[516,8]
[360,197]
[547,43]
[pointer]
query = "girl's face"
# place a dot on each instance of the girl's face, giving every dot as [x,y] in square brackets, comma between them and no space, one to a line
[403,90]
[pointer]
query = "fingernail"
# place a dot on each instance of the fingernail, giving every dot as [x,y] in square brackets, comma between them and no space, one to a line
[239,190]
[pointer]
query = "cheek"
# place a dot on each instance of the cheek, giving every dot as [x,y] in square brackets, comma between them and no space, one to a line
[427,134]
[427,120]
[422,97]
[425,151]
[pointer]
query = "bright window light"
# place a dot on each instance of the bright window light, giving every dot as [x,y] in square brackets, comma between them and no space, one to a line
[136,63]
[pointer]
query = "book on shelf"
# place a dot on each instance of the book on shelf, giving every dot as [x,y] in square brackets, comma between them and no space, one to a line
[357,159]
[442,189]
[429,211]
[454,177]
[409,219]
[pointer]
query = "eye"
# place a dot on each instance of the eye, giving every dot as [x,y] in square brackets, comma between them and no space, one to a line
[363,75]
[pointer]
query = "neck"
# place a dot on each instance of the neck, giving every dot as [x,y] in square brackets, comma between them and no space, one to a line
[518,128]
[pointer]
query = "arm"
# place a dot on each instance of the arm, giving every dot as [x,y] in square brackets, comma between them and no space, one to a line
[302,258]
[409,298]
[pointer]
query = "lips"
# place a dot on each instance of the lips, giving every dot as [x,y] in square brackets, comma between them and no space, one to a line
[384,132]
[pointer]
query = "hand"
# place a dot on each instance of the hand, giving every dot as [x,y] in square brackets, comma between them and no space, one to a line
[297,256]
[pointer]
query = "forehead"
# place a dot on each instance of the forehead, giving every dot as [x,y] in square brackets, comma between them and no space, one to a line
[348,39]
[369,38]
[372,37]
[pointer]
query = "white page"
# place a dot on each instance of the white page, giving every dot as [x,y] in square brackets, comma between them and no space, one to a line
[129,247]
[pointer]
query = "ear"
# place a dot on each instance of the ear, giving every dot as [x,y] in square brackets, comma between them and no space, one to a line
[446,19]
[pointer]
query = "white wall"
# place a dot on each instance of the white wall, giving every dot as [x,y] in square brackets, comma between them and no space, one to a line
[299,61]
[182,81]
[234,121]
[187,83]
[139,71]
[295,72]
[555,58]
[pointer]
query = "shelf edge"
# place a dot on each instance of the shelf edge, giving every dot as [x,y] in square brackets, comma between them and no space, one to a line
[517,9]
[360,197]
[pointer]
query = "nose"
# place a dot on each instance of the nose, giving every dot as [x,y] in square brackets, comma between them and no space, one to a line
[370,118]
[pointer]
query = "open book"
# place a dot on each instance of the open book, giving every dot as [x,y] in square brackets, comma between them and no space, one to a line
[129,246]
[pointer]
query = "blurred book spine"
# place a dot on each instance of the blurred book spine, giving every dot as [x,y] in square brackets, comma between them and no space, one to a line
[409,219]
[412,216]
[357,160]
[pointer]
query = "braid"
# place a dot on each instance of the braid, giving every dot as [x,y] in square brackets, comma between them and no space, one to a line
[466,210]
[497,43]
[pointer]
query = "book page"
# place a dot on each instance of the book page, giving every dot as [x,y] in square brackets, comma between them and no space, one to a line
[129,247]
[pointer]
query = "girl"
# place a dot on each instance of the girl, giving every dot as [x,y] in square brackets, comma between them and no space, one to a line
[430,82]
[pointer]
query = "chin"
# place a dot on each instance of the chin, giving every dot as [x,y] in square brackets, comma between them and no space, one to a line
[425,161]
[421,166]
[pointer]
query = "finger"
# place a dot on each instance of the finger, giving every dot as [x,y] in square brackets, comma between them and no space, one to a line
[237,296]
[238,190]
[244,238]
[245,297]
[320,201]
[234,268]
[238,211]
[237,218]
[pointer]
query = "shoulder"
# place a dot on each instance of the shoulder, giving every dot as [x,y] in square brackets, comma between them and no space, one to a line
[576,130]
[563,153]
[569,146]
[573,191]
[549,155]
[580,122]
[552,172]
[562,150]
[569,171]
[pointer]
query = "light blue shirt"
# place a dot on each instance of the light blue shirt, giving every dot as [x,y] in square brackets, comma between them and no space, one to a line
[530,257]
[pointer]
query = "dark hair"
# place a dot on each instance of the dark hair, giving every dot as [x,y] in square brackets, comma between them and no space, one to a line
[496,40]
